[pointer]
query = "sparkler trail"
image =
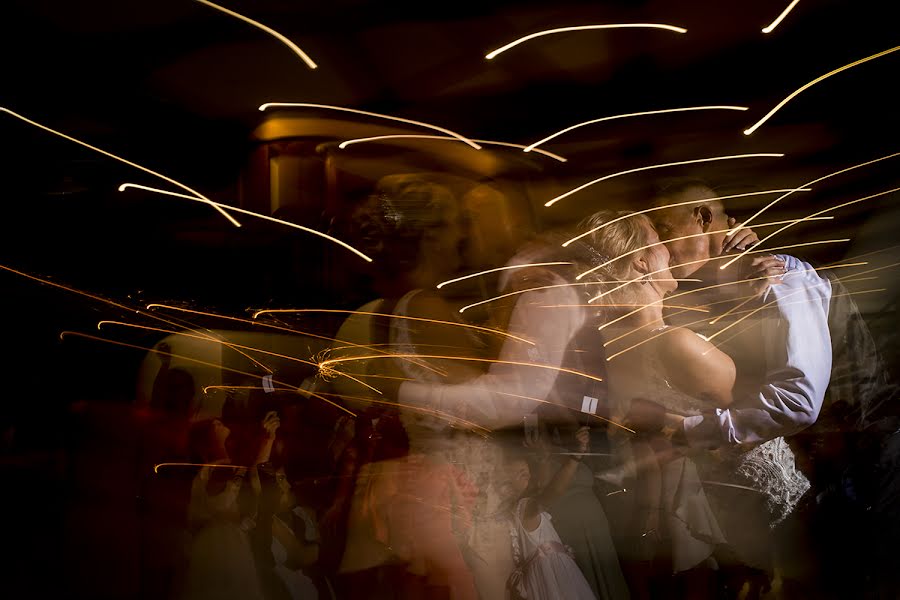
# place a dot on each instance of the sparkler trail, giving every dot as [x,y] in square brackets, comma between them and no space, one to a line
[198,195]
[685,308]
[64,334]
[778,106]
[493,53]
[506,268]
[157,466]
[771,26]
[675,239]
[294,47]
[534,146]
[569,408]
[376,314]
[242,387]
[268,105]
[659,166]
[126,186]
[547,287]
[376,138]
[655,208]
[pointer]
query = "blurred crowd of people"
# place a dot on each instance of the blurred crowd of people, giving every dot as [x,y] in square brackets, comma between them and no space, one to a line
[592,437]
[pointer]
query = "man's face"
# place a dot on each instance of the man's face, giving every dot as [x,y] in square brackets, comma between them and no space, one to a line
[678,222]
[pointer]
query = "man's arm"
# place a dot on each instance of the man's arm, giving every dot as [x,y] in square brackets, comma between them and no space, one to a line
[798,355]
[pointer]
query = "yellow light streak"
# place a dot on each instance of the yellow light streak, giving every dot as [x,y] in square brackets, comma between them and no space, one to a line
[241,387]
[778,106]
[197,195]
[773,202]
[268,105]
[771,26]
[377,138]
[867,271]
[592,415]
[547,287]
[685,308]
[493,53]
[655,208]
[294,47]
[64,334]
[858,279]
[157,466]
[659,166]
[327,364]
[625,116]
[376,314]
[126,186]
[506,268]
[675,239]
[723,257]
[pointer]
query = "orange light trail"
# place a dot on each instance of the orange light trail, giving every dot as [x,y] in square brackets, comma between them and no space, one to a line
[198,195]
[268,105]
[242,387]
[723,257]
[814,216]
[493,53]
[377,138]
[126,186]
[659,166]
[866,272]
[685,308]
[778,106]
[625,116]
[541,401]
[62,336]
[771,26]
[655,208]
[157,466]
[294,47]
[327,364]
[375,314]
[683,237]
[506,268]
[548,287]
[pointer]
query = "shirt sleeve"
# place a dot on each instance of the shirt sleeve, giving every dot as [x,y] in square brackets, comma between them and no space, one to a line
[797,343]
[506,392]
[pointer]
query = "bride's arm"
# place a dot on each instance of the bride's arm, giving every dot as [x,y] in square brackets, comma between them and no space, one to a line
[696,367]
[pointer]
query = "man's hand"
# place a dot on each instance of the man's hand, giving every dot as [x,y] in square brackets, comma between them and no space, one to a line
[763,271]
[740,240]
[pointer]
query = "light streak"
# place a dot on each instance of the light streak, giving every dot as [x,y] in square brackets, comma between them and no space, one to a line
[685,308]
[268,105]
[773,202]
[375,314]
[858,279]
[62,336]
[376,138]
[541,401]
[771,26]
[655,208]
[675,239]
[866,272]
[327,364]
[547,287]
[723,257]
[242,387]
[157,466]
[294,47]
[778,106]
[493,53]
[126,186]
[625,116]
[506,268]
[198,195]
[659,166]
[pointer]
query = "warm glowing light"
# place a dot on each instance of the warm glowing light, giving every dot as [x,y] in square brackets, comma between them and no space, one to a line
[628,115]
[126,186]
[771,26]
[64,334]
[375,314]
[778,106]
[685,308]
[675,239]
[673,205]
[378,138]
[660,166]
[242,387]
[548,287]
[493,53]
[294,47]
[198,195]
[542,401]
[327,364]
[506,268]
[157,466]
[268,105]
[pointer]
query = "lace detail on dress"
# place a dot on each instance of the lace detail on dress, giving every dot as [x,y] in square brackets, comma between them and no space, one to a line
[772,470]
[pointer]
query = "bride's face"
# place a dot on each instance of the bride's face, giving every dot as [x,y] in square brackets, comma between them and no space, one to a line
[657,257]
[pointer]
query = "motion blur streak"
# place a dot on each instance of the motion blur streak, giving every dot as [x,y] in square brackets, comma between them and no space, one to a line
[378,138]
[493,53]
[771,26]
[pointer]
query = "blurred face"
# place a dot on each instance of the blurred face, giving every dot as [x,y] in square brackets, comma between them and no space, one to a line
[658,258]
[513,480]
[678,222]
